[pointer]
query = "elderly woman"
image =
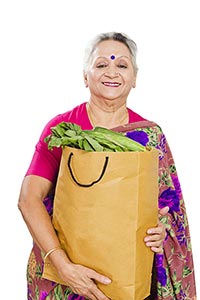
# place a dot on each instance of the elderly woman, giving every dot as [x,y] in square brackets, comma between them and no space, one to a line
[110,73]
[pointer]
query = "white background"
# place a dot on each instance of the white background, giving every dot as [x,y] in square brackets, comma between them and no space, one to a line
[41,52]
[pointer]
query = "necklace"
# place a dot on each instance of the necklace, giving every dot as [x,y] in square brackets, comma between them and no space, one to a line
[123,121]
[90,115]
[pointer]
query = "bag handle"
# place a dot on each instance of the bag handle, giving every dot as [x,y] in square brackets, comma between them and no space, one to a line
[93,182]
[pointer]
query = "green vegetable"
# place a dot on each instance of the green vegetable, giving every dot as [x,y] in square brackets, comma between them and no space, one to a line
[98,139]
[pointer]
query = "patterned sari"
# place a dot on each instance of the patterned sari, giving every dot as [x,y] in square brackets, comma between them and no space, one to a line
[173,272]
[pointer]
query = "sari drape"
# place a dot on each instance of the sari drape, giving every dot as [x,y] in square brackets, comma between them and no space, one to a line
[173,275]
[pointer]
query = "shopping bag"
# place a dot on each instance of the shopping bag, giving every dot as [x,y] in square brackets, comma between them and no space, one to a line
[104,203]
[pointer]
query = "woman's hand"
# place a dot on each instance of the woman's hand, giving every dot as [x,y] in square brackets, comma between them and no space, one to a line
[156,235]
[80,279]
[82,282]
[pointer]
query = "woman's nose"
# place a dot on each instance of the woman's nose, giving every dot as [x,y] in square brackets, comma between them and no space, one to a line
[112,72]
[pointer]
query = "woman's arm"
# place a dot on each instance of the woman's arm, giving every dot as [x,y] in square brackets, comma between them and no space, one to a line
[34,189]
[80,279]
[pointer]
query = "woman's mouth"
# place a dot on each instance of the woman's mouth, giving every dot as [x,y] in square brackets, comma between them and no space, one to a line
[111,84]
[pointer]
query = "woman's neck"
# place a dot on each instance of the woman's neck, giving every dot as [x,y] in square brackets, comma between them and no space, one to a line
[106,114]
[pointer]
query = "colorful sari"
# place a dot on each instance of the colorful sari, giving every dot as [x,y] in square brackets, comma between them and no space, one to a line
[173,274]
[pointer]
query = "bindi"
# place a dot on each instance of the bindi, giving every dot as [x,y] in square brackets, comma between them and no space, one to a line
[112,57]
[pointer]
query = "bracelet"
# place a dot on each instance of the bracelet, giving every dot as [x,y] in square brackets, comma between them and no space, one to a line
[51,251]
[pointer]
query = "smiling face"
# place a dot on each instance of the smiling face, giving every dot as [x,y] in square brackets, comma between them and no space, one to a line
[110,74]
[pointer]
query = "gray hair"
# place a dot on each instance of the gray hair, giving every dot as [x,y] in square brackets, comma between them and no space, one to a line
[115,36]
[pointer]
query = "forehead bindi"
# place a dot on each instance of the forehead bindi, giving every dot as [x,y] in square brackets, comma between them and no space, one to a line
[111,49]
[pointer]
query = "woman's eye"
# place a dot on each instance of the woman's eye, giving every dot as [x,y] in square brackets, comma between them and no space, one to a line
[122,66]
[101,66]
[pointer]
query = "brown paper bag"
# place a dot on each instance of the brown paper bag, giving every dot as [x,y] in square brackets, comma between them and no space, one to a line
[104,204]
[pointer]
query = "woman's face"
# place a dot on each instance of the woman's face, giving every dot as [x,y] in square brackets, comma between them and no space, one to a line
[110,74]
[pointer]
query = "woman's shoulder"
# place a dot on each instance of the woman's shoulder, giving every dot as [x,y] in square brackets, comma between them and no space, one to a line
[140,124]
[136,120]
[75,115]
[69,116]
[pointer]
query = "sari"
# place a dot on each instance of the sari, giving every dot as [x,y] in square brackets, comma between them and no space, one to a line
[173,276]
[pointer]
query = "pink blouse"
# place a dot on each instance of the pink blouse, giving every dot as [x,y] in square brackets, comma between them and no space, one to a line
[45,163]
